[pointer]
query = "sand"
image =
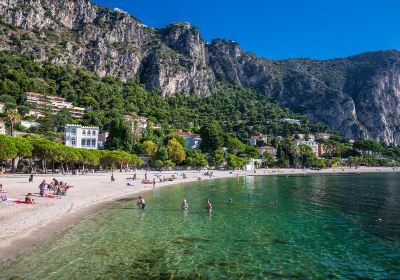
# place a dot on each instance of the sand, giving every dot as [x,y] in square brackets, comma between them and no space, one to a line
[23,225]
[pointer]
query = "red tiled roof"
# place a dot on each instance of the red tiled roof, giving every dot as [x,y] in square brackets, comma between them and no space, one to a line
[185,133]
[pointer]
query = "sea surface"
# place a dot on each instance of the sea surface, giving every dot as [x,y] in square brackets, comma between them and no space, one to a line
[276,227]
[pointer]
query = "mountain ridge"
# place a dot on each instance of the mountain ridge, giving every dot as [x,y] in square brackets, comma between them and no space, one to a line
[358,95]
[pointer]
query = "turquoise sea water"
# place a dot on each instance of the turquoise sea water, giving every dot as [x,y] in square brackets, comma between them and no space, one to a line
[304,227]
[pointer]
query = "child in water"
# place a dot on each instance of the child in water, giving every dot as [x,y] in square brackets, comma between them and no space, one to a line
[185,206]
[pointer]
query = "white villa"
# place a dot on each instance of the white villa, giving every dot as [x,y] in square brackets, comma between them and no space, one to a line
[78,136]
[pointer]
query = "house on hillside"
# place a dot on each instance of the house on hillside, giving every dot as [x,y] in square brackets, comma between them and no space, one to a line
[257,138]
[138,124]
[292,121]
[324,136]
[2,107]
[78,136]
[193,140]
[271,150]
[316,147]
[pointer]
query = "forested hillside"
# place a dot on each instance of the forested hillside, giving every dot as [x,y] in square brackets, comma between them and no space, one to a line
[239,111]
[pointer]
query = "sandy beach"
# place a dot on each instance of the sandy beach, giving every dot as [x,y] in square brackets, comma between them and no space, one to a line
[24,225]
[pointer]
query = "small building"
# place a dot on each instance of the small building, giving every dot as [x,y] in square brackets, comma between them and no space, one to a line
[292,121]
[309,137]
[78,136]
[324,136]
[2,107]
[36,114]
[193,140]
[258,138]
[30,124]
[271,150]
[138,124]
[316,147]
[2,127]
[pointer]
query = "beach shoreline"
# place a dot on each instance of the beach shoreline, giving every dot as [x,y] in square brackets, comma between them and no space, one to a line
[26,226]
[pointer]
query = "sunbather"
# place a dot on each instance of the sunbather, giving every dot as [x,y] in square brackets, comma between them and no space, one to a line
[29,199]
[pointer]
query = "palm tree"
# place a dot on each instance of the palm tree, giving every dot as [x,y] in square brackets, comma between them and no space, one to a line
[13,118]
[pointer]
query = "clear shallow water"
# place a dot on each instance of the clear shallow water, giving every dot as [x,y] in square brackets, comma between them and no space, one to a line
[323,227]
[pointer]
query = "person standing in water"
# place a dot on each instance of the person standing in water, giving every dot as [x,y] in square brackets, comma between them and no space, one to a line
[141,203]
[184,206]
[208,206]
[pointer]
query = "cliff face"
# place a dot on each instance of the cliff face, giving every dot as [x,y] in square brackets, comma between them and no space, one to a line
[358,96]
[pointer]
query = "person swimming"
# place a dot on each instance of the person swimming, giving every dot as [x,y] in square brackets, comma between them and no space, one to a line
[208,205]
[184,205]
[230,200]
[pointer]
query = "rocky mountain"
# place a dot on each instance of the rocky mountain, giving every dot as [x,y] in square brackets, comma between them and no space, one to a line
[358,96]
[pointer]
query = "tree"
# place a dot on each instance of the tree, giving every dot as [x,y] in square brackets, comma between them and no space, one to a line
[7,148]
[252,152]
[149,148]
[61,119]
[196,159]
[235,146]
[120,136]
[211,135]
[268,159]
[24,150]
[218,158]
[13,118]
[235,161]
[175,151]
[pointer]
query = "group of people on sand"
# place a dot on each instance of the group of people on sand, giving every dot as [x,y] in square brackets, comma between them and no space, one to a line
[59,188]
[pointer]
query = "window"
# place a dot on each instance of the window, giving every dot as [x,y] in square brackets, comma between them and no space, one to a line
[93,143]
[83,142]
[73,142]
[73,131]
[94,132]
[83,132]
[88,142]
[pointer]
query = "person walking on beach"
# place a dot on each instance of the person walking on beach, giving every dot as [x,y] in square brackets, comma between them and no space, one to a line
[112,178]
[31,178]
[208,206]
[42,187]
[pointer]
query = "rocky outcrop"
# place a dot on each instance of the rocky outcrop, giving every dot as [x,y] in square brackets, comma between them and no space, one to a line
[358,96]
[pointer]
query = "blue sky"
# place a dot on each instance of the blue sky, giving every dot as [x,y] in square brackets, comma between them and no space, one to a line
[280,29]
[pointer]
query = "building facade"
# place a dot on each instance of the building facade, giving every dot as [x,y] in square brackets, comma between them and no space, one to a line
[271,150]
[53,103]
[78,136]
[258,138]
[138,125]
[193,140]
[316,147]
